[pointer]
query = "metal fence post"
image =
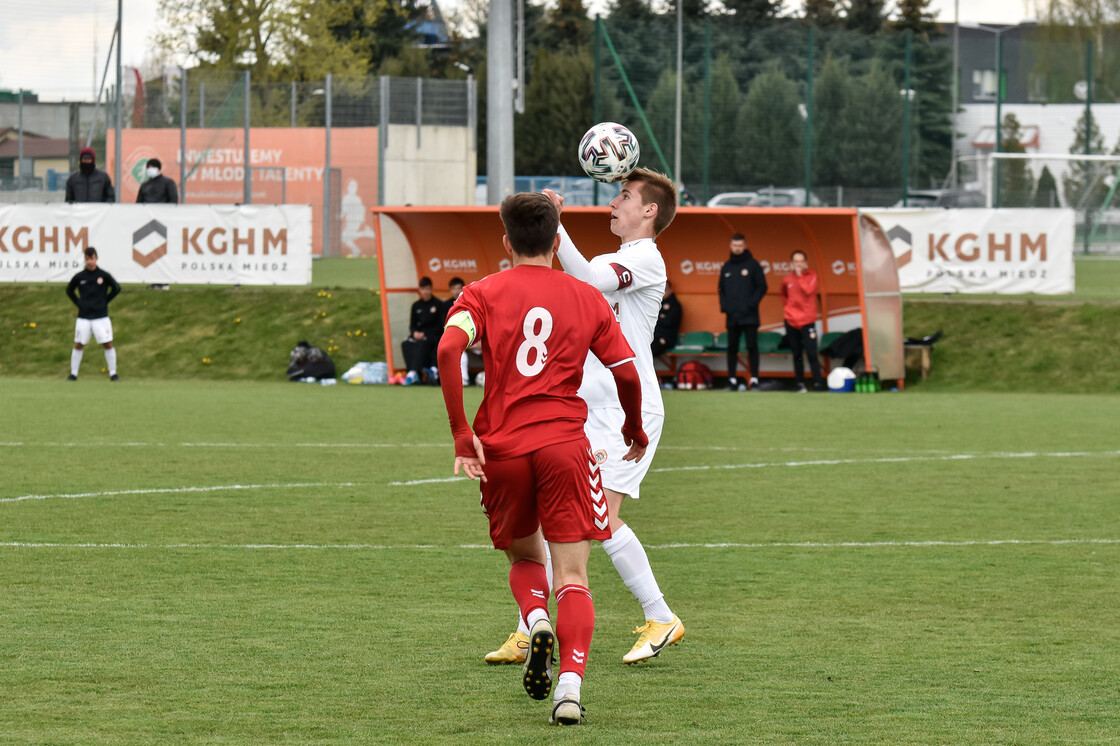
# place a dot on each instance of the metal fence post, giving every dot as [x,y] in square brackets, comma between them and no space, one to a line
[183,135]
[327,240]
[809,120]
[906,119]
[248,198]
[1088,127]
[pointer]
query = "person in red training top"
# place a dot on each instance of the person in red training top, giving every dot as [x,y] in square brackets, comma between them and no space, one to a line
[799,300]
[539,479]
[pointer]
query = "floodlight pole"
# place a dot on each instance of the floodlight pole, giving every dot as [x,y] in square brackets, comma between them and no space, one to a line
[120,118]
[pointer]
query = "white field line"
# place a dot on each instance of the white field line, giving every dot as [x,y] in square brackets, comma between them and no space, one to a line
[58,444]
[834,462]
[176,490]
[721,545]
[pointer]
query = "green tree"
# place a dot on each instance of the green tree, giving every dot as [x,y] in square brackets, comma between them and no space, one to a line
[866,16]
[378,30]
[1046,193]
[557,112]
[872,148]
[1084,184]
[771,127]
[831,93]
[565,25]
[753,13]
[1016,180]
[916,16]
[725,101]
[820,13]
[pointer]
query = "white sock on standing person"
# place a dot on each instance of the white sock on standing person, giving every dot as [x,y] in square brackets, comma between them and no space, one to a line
[75,361]
[111,360]
[629,558]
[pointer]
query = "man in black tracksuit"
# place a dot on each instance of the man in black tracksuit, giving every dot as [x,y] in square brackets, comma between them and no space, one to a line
[425,327]
[91,290]
[89,183]
[157,188]
[742,286]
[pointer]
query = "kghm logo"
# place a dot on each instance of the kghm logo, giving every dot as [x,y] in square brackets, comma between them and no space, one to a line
[904,249]
[686,267]
[149,244]
[434,264]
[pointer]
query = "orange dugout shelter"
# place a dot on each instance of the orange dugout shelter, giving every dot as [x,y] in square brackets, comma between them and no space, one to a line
[858,276]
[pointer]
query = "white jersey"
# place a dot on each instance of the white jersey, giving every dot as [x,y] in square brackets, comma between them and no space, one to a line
[633,281]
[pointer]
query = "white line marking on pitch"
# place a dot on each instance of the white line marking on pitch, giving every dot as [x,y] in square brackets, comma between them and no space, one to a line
[830,462]
[720,545]
[28,444]
[175,490]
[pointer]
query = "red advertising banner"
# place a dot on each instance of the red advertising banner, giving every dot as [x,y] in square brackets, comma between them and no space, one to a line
[288,168]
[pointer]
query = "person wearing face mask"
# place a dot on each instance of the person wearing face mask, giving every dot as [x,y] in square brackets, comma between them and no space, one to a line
[89,183]
[157,188]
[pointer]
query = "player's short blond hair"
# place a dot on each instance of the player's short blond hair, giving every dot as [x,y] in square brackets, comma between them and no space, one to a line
[657,188]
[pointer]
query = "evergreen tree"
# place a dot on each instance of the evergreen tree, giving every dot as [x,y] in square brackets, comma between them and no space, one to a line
[1084,184]
[820,13]
[771,128]
[565,25]
[558,107]
[866,16]
[1046,193]
[1016,180]
[872,148]
[629,10]
[916,16]
[831,92]
[753,13]
[725,101]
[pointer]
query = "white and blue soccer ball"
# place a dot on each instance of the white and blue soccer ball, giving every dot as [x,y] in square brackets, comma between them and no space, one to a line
[609,152]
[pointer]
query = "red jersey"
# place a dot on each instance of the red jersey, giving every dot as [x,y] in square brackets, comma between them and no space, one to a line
[799,296]
[536,325]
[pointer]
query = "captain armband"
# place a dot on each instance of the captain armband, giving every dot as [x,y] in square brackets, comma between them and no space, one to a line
[462,319]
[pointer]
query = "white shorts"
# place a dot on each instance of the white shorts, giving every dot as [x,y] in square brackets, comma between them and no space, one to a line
[101,329]
[604,430]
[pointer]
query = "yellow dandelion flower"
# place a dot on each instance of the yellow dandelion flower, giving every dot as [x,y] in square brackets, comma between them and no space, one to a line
[32,325]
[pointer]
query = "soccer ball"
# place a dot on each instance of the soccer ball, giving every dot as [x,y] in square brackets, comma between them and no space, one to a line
[608,152]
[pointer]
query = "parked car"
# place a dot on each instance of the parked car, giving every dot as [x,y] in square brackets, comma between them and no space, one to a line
[769,197]
[943,198]
[733,199]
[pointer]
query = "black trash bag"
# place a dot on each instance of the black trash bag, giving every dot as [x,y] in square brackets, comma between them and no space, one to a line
[848,346]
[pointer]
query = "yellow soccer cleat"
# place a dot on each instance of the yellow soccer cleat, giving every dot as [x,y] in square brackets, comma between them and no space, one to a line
[655,636]
[512,650]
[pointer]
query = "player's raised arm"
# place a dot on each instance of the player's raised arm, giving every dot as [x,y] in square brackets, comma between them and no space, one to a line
[605,277]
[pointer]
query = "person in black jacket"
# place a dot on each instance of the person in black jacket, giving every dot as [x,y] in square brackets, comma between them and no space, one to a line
[157,188]
[91,290]
[742,286]
[89,183]
[424,327]
[668,327]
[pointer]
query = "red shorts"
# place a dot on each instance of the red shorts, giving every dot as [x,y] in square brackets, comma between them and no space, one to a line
[557,487]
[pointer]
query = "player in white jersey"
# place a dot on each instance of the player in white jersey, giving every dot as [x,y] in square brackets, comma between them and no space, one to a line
[633,281]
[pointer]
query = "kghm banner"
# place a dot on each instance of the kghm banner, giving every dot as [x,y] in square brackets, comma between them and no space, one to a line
[165,244]
[1007,251]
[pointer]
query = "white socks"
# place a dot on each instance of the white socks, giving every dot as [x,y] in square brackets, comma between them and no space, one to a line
[629,558]
[536,615]
[75,361]
[567,686]
[111,360]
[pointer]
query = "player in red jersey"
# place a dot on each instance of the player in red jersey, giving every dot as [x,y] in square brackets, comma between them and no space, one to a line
[539,479]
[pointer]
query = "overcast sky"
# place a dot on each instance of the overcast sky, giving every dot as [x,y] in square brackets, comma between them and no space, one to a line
[57,48]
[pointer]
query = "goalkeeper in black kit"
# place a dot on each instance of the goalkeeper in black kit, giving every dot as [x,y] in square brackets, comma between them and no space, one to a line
[91,290]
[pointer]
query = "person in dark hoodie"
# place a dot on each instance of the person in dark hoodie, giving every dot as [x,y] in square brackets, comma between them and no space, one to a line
[89,183]
[742,286]
[157,188]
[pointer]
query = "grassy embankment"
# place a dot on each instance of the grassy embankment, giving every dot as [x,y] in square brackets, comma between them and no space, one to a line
[1022,343]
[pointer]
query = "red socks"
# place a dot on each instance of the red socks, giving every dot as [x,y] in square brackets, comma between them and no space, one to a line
[529,584]
[575,622]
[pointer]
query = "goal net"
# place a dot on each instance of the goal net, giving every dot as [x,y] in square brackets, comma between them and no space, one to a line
[1085,183]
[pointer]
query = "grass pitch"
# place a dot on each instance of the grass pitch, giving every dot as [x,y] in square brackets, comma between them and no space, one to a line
[222,562]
